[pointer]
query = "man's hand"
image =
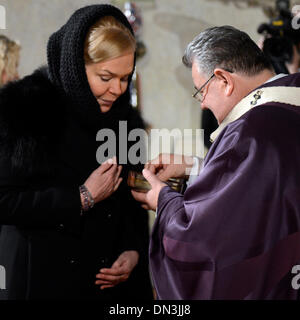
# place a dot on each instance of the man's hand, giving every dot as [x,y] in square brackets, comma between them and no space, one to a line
[119,271]
[167,166]
[150,198]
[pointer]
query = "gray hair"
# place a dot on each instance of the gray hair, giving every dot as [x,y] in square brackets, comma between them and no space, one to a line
[227,48]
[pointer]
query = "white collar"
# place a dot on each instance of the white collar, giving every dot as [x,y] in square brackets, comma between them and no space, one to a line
[289,95]
[277,76]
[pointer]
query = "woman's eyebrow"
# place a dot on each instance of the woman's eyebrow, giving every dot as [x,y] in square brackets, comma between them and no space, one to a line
[114,74]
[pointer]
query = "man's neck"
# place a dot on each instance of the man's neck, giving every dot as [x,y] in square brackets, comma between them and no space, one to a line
[255,81]
[244,85]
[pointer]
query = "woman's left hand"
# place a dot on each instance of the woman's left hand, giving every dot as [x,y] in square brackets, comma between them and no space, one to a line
[119,271]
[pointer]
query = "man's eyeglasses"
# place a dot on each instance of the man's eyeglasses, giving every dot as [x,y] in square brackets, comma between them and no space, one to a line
[198,95]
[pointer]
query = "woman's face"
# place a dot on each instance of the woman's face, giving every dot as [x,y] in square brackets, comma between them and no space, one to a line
[109,79]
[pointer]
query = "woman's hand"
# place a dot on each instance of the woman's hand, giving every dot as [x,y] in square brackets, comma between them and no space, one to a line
[119,271]
[105,180]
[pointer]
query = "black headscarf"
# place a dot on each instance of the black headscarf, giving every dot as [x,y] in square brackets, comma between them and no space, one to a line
[66,68]
[66,65]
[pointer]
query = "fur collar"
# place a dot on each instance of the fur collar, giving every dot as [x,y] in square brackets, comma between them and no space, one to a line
[31,106]
[32,116]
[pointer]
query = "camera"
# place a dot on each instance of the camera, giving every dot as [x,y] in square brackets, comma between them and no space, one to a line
[280,37]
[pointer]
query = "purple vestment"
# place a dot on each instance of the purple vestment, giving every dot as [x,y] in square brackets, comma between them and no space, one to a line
[235,233]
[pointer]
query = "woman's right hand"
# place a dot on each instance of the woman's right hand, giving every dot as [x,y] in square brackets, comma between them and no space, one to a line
[105,180]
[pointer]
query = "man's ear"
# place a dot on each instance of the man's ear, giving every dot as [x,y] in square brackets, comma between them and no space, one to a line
[227,81]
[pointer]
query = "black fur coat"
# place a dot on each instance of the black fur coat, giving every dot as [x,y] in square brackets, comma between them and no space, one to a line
[46,153]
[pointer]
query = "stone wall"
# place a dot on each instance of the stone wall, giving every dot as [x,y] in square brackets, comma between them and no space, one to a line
[166,85]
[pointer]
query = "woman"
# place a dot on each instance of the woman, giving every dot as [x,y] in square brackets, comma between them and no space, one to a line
[71,228]
[9,60]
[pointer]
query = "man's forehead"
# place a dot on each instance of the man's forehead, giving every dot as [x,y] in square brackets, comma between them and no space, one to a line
[194,67]
[197,76]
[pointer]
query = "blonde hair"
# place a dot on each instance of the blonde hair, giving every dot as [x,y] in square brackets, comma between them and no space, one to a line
[107,39]
[9,58]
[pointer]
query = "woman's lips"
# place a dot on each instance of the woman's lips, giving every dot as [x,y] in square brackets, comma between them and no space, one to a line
[104,102]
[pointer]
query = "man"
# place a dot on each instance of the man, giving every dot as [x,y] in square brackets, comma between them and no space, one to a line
[235,233]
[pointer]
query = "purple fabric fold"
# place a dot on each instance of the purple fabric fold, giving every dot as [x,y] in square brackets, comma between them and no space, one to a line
[235,234]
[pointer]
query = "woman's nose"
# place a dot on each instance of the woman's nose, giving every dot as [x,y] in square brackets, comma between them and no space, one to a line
[115,87]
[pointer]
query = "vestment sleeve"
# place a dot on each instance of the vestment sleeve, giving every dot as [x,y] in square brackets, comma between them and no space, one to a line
[231,224]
